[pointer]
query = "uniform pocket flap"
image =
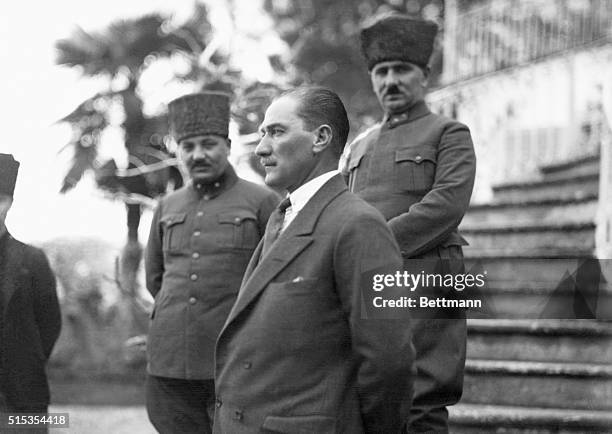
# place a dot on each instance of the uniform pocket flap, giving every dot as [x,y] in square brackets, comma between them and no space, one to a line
[354,162]
[173,219]
[417,155]
[300,424]
[235,217]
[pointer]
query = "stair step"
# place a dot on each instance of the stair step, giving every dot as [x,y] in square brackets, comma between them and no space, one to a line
[585,386]
[476,419]
[540,340]
[526,270]
[534,288]
[566,188]
[537,273]
[502,214]
[508,240]
[474,253]
[586,165]
[562,301]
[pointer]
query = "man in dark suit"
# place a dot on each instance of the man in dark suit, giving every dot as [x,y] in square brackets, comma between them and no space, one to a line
[30,319]
[296,354]
[202,237]
[417,169]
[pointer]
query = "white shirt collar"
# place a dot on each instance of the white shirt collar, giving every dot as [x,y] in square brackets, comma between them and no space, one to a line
[300,197]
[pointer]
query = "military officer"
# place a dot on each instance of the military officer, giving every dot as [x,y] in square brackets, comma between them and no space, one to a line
[202,237]
[417,169]
[30,319]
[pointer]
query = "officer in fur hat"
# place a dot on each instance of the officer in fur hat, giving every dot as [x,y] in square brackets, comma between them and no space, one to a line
[418,169]
[202,237]
[30,319]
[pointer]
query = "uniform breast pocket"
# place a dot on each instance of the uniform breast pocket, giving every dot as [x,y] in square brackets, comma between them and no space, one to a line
[238,229]
[415,169]
[174,231]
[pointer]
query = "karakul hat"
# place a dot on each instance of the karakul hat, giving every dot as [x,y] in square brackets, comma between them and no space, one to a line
[398,37]
[8,174]
[199,114]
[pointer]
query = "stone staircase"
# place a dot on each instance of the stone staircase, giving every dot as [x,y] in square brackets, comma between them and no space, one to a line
[525,374]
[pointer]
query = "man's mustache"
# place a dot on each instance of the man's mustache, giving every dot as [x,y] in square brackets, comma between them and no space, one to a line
[198,164]
[392,90]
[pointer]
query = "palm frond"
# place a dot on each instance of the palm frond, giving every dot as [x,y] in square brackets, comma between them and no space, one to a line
[92,109]
[82,160]
[89,51]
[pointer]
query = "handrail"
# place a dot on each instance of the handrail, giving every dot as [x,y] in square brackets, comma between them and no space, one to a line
[500,35]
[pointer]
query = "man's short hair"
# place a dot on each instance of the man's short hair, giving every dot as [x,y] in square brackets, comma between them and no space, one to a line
[319,105]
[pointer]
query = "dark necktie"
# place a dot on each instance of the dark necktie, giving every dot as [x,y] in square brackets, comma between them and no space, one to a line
[275,224]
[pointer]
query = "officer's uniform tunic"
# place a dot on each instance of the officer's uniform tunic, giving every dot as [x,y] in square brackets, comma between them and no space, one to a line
[200,244]
[201,240]
[418,169]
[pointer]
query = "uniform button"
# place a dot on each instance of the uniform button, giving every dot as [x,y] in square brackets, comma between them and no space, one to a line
[237,219]
[200,214]
[194,277]
[247,365]
[196,233]
[238,414]
[217,184]
[206,197]
[418,158]
[195,255]
[218,403]
[192,300]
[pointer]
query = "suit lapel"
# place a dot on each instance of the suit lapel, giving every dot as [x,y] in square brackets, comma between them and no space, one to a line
[252,262]
[262,270]
[12,270]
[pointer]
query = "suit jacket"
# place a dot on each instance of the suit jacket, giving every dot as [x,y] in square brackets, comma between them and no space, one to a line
[31,324]
[295,354]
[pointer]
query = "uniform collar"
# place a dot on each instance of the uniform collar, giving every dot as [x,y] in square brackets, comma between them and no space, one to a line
[215,188]
[417,111]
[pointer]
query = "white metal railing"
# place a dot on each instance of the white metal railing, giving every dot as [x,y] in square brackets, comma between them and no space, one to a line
[502,34]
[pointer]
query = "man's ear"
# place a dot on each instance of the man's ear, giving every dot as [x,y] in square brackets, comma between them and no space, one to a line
[426,74]
[323,138]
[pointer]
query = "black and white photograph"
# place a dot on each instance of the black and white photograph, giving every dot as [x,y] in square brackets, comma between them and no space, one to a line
[313,216]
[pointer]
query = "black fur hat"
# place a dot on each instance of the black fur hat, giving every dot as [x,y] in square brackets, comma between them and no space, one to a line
[199,114]
[8,174]
[398,37]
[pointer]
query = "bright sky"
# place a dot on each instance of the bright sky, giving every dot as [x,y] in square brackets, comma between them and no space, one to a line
[35,93]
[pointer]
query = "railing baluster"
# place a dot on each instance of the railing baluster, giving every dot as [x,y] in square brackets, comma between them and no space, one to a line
[498,35]
[557,29]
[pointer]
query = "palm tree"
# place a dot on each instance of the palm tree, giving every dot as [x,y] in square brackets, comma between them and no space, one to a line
[120,54]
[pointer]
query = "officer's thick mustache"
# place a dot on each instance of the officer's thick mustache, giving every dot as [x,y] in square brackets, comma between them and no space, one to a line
[392,90]
[199,164]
